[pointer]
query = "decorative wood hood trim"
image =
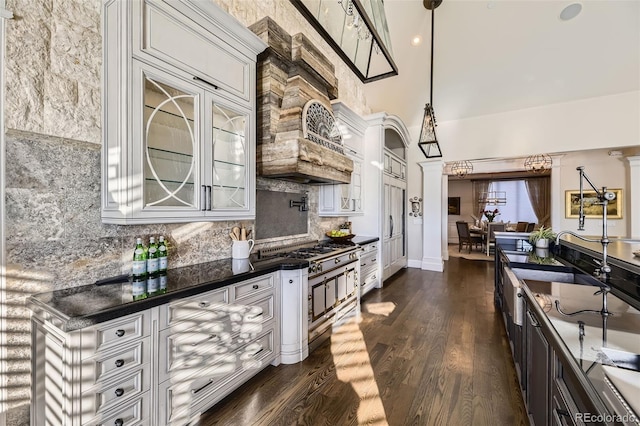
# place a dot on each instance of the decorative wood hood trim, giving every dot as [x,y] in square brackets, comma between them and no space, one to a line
[291,72]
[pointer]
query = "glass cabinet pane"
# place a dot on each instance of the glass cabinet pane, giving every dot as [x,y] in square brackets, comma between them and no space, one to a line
[229,158]
[169,146]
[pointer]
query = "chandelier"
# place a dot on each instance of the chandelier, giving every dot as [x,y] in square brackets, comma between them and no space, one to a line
[495,198]
[428,141]
[538,163]
[461,168]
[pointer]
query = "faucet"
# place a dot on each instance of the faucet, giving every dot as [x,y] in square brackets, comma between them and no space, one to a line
[604,196]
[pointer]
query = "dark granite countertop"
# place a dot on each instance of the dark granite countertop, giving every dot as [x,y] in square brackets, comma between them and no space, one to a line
[361,239]
[78,307]
[606,341]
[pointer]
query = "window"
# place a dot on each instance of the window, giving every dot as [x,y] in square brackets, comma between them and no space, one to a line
[518,207]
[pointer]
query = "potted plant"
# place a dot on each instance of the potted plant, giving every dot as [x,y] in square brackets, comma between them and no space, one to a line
[541,237]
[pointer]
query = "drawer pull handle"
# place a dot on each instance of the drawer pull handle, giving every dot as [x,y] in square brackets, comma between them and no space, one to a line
[562,412]
[120,332]
[119,392]
[119,422]
[119,362]
[256,286]
[204,304]
[195,391]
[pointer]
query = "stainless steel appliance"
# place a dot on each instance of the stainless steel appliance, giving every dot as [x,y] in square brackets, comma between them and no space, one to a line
[333,286]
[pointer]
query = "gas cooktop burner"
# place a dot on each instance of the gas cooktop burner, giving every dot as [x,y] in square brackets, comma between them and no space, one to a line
[309,250]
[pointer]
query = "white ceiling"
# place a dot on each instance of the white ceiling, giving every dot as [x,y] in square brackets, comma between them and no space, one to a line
[496,56]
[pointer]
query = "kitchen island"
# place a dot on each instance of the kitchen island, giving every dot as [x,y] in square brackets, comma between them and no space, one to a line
[573,367]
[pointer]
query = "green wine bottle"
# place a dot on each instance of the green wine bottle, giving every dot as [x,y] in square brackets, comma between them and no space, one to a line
[163,255]
[152,257]
[139,260]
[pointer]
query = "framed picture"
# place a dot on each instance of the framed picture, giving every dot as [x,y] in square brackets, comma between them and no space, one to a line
[454,205]
[591,209]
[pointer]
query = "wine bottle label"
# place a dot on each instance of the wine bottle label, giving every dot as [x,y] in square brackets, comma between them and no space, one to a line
[138,251]
[139,267]
[163,264]
[152,250]
[152,265]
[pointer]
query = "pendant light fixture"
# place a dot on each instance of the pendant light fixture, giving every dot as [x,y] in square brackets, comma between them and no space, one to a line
[428,141]
[461,168]
[538,163]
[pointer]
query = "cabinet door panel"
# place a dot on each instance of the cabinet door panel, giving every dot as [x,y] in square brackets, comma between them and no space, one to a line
[170,148]
[229,156]
[165,37]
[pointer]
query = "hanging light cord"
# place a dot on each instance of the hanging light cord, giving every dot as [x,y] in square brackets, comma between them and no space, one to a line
[433,11]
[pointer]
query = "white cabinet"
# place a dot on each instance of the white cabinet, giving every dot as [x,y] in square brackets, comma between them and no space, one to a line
[369,267]
[88,376]
[384,165]
[211,343]
[179,111]
[346,199]
[164,365]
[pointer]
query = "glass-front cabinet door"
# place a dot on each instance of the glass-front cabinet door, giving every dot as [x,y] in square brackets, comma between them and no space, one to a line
[229,158]
[170,146]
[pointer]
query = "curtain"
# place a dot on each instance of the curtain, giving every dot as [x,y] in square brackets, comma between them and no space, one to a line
[539,190]
[479,191]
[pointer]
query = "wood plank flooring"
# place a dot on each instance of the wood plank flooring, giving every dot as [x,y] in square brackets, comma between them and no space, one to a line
[429,349]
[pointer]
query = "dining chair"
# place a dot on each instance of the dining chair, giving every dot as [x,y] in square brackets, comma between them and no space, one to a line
[465,237]
[491,237]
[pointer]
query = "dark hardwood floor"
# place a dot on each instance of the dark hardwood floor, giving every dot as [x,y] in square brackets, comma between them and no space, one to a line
[430,349]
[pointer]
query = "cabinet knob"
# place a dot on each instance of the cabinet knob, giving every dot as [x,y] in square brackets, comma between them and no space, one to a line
[256,286]
[203,304]
[290,281]
[119,362]
[120,332]
[119,392]
[118,422]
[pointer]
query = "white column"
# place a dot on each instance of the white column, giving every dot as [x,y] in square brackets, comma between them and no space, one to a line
[633,197]
[557,195]
[433,215]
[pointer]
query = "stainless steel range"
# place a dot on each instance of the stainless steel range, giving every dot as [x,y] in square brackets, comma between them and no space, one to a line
[332,286]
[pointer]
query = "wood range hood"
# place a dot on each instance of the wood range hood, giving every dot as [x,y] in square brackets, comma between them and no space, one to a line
[291,72]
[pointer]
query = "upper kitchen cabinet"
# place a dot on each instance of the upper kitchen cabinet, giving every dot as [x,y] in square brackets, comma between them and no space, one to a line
[179,110]
[346,199]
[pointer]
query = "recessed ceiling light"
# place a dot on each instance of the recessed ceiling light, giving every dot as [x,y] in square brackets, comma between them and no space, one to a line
[416,40]
[570,11]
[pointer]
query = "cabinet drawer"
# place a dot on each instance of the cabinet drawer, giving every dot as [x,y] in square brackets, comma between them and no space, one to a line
[114,333]
[214,382]
[186,352]
[368,260]
[114,363]
[165,35]
[248,289]
[104,397]
[194,310]
[137,412]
